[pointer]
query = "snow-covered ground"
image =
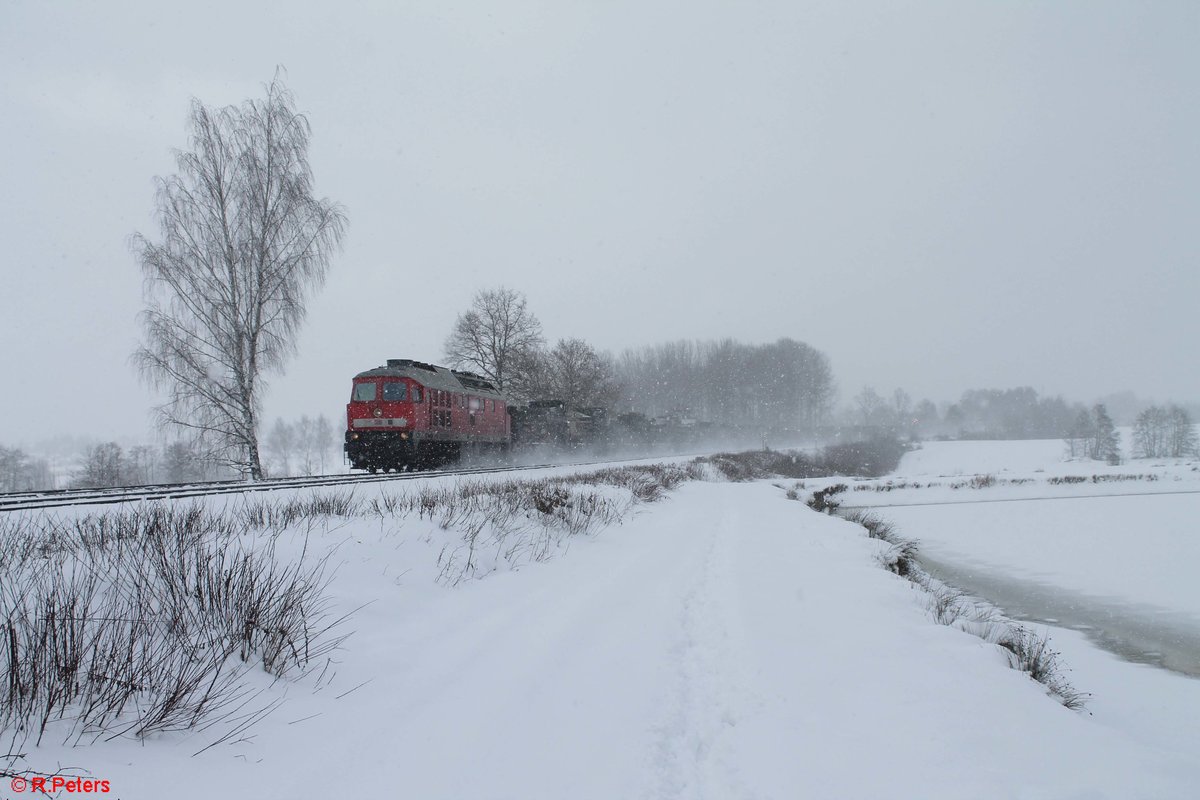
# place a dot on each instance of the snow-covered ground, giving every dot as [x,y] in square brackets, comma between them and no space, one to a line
[724,642]
[1112,557]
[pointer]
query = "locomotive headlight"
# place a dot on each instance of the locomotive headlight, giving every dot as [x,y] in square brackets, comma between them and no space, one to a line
[378,412]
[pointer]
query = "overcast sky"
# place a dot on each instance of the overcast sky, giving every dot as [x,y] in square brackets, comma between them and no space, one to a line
[939,195]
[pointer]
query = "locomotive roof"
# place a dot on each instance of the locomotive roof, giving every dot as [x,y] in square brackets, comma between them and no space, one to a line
[434,377]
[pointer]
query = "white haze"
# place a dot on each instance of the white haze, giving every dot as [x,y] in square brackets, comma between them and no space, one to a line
[939,195]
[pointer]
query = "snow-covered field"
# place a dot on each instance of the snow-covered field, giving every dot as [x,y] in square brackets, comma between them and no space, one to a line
[723,642]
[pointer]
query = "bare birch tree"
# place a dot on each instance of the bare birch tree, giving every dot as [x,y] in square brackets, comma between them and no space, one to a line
[243,240]
[495,338]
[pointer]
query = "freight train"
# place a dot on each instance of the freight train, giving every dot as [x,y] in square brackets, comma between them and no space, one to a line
[410,415]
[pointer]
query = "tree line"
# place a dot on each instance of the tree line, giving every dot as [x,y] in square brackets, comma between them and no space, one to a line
[306,446]
[20,472]
[302,447]
[1019,413]
[109,465]
[783,386]
[500,338]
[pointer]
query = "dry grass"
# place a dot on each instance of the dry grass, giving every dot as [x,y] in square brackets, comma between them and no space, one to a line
[136,622]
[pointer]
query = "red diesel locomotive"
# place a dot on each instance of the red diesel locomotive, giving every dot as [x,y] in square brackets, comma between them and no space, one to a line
[412,415]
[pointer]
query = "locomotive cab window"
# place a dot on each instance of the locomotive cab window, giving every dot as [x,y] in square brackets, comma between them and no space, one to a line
[364,392]
[416,393]
[395,392]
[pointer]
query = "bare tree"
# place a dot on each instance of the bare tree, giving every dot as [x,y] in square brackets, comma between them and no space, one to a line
[902,408]
[281,446]
[578,375]
[658,376]
[1080,435]
[1164,433]
[1150,433]
[243,239]
[141,465]
[182,464]
[497,338]
[873,411]
[19,472]
[925,418]
[307,446]
[1105,443]
[323,441]
[1182,440]
[104,465]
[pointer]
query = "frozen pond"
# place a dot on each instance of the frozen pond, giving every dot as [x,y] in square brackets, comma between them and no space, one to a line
[1121,569]
[1139,633]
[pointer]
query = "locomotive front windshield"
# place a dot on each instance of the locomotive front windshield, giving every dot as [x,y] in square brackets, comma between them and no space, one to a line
[395,392]
[364,392]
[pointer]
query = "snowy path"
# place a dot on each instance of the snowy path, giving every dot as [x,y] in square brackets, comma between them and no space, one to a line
[724,643]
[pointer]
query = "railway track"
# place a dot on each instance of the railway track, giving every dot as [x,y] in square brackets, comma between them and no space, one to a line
[61,498]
